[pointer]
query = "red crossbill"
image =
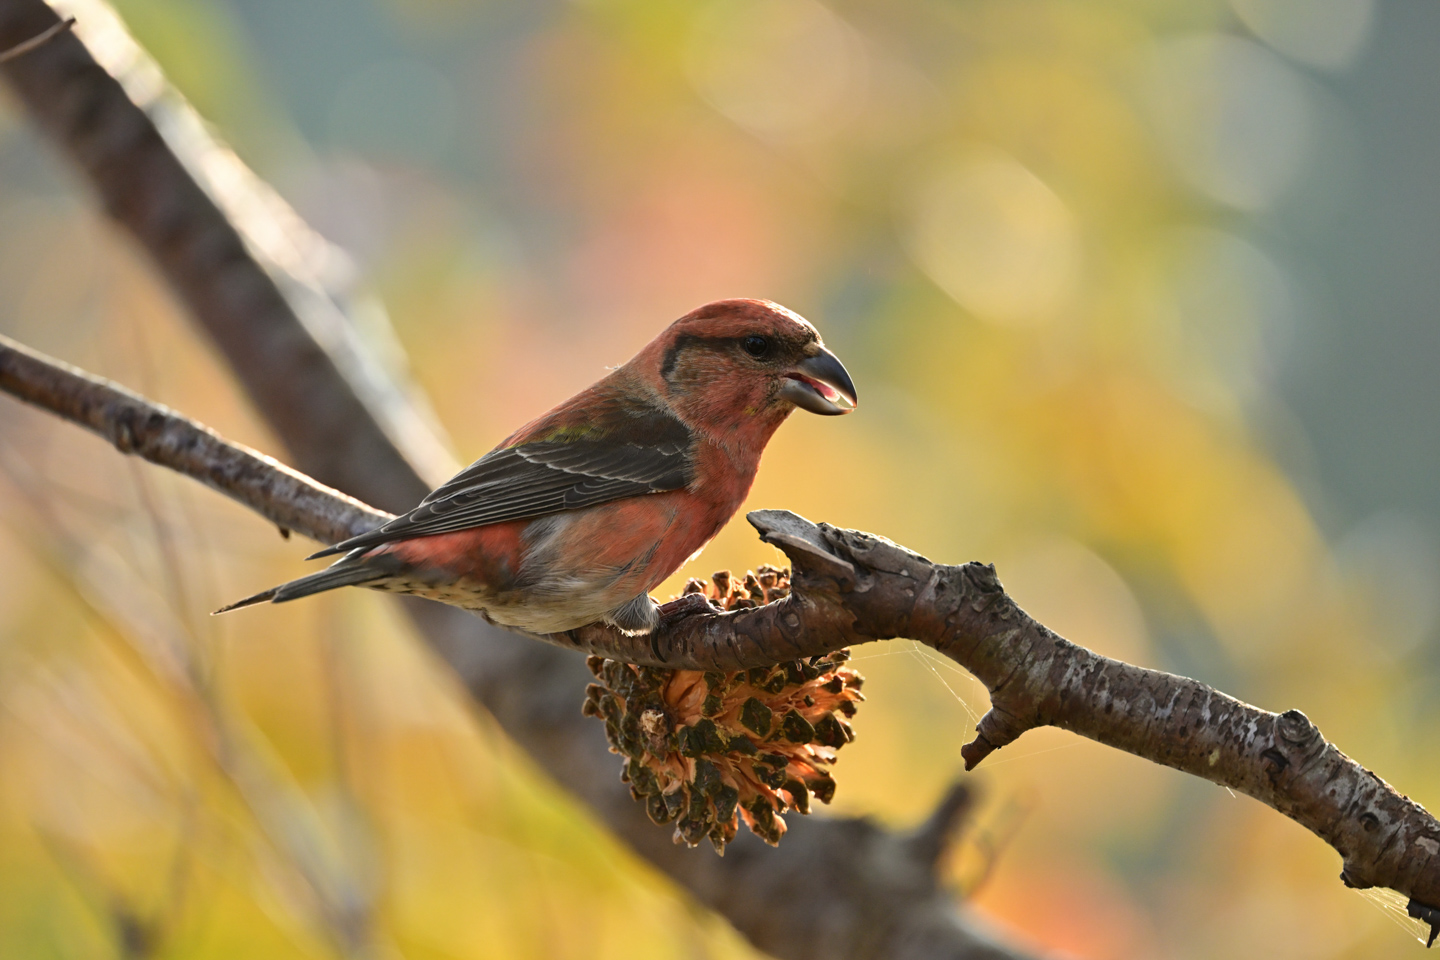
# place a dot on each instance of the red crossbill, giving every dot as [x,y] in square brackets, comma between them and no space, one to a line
[578,515]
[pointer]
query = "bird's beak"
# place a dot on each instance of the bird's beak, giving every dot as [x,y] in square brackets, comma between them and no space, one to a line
[821,385]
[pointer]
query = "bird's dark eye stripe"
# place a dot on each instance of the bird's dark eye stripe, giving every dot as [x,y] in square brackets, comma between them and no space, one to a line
[756,345]
[689,341]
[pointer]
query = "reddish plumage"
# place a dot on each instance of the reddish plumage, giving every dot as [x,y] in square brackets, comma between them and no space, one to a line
[578,515]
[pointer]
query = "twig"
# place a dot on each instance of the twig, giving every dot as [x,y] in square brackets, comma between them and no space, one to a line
[933,838]
[258,299]
[839,888]
[156,642]
[40,39]
[285,497]
[786,901]
[849,588]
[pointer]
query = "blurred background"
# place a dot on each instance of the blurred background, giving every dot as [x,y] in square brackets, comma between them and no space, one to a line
[1140,296]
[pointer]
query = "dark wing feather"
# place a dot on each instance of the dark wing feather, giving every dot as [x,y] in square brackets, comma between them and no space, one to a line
[536,479]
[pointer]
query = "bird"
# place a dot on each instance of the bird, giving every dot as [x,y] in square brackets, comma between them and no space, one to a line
[575,517]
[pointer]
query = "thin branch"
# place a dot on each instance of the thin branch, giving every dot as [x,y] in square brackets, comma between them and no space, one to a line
[933,838]
[323,406]
[840,887]
[285,497]
[849,588]
[256,292]
[40,39]
[314,403]
[155,640]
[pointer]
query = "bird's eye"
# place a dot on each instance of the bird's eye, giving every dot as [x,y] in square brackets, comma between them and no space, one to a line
[756,345]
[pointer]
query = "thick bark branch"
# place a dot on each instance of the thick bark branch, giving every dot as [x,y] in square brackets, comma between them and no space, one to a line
[848,588]
[884,884]
[839,888]
[285,337]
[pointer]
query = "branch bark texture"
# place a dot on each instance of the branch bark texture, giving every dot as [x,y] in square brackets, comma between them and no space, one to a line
[849,587]
[839,888]
[285,497]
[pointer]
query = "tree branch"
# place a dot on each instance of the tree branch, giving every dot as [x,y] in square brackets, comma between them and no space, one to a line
[887,881]
[183,197]
[285,497]
[848,588]
[839,888]
[39,40]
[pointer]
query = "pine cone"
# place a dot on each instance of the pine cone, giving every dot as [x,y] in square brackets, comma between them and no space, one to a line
[707,750]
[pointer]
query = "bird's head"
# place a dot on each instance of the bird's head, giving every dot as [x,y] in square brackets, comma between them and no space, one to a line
[743,365]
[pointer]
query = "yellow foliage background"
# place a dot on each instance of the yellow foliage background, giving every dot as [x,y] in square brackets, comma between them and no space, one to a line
[1060,247]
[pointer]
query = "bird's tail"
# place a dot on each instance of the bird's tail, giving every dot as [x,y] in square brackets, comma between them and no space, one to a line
[344,573]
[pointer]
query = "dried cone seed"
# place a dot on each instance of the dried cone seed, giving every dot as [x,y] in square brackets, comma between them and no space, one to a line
[707,750]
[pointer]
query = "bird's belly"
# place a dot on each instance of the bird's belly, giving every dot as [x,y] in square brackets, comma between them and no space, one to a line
[555,609]
[575,608]
[466,593]
[560,571]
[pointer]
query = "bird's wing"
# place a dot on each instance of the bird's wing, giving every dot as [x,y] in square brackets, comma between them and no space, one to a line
[646,453]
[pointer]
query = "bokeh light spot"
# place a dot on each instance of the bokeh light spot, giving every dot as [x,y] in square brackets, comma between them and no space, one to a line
[1235,309]
[1390,559]
[997,239]
[787,70]
[1235,118]
[1070,589]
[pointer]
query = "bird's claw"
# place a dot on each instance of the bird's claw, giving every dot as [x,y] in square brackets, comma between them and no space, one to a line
[685,606]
